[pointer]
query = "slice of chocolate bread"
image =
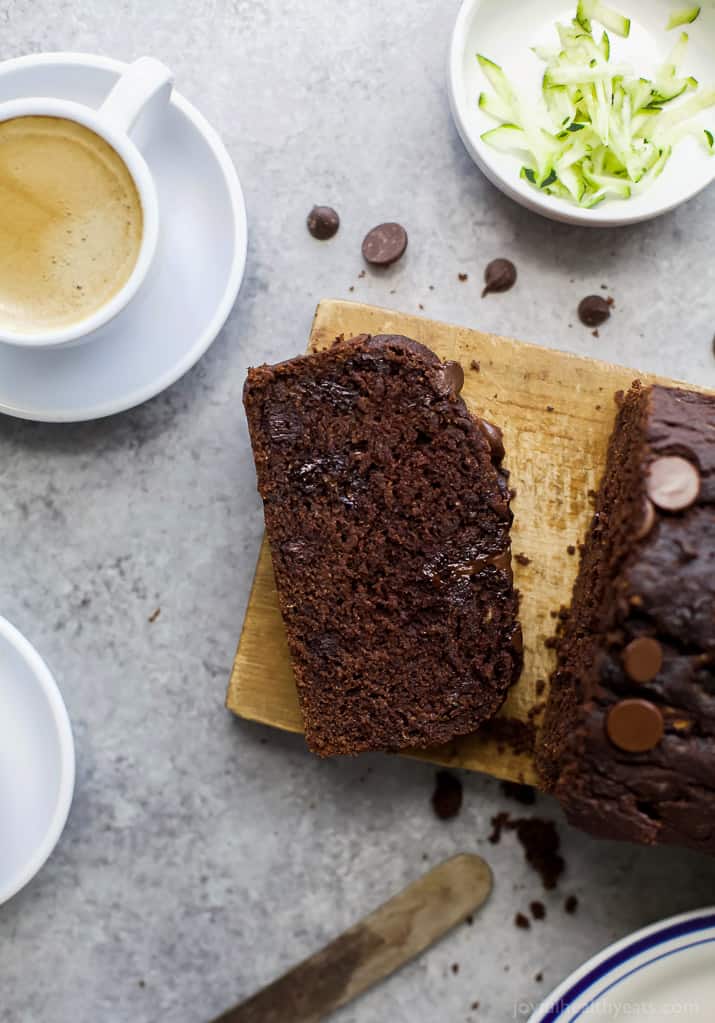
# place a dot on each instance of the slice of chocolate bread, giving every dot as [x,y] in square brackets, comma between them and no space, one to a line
[628,743]
[388,518]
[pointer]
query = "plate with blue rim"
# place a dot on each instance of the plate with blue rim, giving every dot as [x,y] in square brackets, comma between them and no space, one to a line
[664,972]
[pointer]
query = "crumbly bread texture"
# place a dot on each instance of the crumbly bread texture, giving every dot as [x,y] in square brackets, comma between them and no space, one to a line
[628,744]
[388,517]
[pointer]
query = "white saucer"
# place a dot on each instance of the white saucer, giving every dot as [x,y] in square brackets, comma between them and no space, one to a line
[663,972]
[199,263]
[37,764]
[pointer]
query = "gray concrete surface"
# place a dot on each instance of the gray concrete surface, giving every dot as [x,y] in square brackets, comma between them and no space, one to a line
[203,856]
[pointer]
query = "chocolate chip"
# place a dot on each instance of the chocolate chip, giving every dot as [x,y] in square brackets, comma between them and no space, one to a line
[500,275]
[643,659]
[384,244]
[635,726]
[323,222]
[647,521]
[593,310]
[453,376]
[495,438]
[673,483]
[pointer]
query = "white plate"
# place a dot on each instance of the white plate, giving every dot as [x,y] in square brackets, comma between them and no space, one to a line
[36,762]
[199,263]
[504,31]
[664,972]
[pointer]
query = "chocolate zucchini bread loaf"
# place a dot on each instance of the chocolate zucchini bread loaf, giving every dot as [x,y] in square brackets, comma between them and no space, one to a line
[628,743]
[388,518]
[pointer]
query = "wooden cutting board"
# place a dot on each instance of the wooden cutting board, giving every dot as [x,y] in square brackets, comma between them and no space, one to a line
[557,413]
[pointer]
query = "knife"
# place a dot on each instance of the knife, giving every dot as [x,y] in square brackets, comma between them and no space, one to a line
[374,948]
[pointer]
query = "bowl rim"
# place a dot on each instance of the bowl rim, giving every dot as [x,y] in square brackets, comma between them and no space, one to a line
[536,203]
[61,720]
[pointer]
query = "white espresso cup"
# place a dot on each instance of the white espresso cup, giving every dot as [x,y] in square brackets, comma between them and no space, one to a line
[144,89]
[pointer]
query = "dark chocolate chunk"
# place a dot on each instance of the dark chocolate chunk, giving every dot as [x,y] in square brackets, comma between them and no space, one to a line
[453,375]
[643,659]
[673,483]
[500,275]
[593,310]
[323,222]
[385,244]
[635,726]
[495,437]
[447,796]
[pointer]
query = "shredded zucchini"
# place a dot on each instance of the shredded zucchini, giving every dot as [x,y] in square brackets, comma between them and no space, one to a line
[588,9]
[601,132]
[683,16]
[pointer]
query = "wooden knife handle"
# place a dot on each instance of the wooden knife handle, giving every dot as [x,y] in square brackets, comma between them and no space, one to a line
[374,948]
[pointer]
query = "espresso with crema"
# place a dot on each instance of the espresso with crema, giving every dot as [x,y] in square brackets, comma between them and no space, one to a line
[70,223]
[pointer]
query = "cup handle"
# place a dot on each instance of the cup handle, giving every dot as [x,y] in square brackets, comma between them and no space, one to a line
[145,86]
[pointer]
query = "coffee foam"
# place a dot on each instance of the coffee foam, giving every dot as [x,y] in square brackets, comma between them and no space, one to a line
[71,223]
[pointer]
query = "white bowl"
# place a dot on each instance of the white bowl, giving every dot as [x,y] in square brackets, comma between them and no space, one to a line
[37,764]
[504,31]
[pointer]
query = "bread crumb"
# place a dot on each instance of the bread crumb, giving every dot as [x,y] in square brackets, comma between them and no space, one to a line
[571,904]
